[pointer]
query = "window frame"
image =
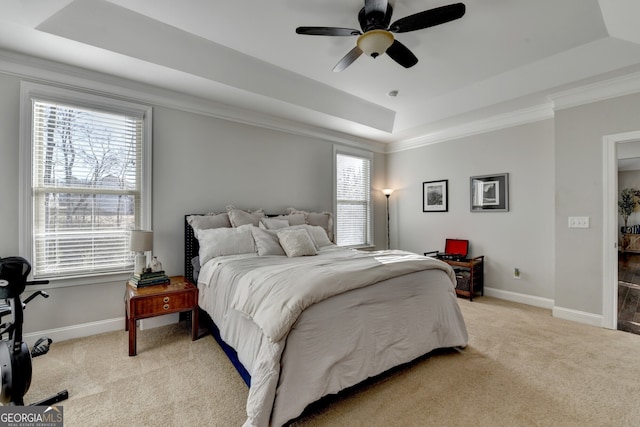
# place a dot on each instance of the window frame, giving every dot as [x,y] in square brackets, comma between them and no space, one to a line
[30,91]
[368,155]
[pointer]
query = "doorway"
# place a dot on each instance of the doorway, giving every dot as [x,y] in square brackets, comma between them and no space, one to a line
[628,312]
[621,269]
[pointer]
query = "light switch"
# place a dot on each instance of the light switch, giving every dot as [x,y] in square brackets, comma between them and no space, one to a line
[578,222]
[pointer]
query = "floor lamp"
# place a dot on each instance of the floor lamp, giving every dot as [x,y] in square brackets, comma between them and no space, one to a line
[387,192]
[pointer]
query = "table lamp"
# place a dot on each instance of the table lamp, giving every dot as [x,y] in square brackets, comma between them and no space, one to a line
[141,242]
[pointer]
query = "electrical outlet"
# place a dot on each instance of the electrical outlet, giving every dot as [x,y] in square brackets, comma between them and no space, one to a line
[516,273]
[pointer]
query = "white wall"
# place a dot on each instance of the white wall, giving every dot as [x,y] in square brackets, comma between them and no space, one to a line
[200,163]
[522,237]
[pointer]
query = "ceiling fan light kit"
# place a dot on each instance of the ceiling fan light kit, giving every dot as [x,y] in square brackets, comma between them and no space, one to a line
[376,38]
[375,42]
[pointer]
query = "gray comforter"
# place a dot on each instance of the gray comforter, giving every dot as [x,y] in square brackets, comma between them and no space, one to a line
[311,326]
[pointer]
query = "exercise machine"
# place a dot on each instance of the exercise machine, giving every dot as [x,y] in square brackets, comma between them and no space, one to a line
[15,356]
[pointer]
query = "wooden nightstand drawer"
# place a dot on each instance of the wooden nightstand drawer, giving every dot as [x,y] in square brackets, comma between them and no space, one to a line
[161,304]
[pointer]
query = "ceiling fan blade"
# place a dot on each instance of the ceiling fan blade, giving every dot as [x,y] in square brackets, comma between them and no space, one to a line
[375,6]
[348,59]
[402,55]
[428,18]
[328,31]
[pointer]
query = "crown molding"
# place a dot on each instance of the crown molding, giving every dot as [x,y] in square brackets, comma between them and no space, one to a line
[67,76]
[497,122]
[600,91]
[585,94]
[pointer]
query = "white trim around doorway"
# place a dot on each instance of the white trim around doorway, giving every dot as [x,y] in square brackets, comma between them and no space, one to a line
[610,226]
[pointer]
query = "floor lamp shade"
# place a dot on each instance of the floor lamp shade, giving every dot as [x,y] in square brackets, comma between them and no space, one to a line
[141,242]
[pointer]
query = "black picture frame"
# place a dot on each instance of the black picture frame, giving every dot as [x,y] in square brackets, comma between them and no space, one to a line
[489,193]
[435,196]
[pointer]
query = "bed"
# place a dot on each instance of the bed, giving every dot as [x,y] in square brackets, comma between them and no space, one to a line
[299,328]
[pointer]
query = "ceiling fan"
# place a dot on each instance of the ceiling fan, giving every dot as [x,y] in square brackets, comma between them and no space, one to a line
[376,38]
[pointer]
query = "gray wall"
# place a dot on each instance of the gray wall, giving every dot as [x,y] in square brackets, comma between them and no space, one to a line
[200,164]
[579,192]
[522,237]
[203,164]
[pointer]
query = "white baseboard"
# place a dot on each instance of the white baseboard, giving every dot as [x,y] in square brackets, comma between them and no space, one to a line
[154,322]
[578,316]
[521,298]
[559,312]
[95,328]
[77,331]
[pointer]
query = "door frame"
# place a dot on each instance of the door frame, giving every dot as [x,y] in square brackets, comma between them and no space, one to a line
[610,226]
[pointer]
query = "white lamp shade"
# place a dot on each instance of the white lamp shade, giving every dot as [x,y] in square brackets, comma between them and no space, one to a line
[375,42]
[141,241]
[387,191]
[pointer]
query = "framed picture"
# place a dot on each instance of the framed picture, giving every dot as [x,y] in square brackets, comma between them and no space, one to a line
[435,196]
[490,193]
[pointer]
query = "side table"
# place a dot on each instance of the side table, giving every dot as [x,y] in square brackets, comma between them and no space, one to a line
[150,301]
[475,267]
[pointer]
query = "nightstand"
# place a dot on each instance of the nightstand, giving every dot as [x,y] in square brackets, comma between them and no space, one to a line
[150,301]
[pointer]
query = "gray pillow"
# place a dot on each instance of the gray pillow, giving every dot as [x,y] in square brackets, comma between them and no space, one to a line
[225,241]
[293,219]
[274,223]
[323,219]
[238,217]
[206,222]
[267,242]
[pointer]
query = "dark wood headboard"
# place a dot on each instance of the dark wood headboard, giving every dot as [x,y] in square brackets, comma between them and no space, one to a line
[191,248]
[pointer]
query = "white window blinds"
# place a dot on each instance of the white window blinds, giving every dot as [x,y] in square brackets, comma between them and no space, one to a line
[86,188]
[353,200]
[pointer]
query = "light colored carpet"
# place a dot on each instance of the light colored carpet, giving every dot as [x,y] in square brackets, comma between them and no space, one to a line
[522,368]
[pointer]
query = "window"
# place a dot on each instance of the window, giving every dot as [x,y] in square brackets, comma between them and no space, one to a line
[353,197]
[86,164]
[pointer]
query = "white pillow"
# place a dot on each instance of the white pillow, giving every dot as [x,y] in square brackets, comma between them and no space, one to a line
[296,242]
[203,222]
[216,242]
[267,241]
[274,223]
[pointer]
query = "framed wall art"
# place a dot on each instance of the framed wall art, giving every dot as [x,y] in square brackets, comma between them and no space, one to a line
[490,193]
[435,196]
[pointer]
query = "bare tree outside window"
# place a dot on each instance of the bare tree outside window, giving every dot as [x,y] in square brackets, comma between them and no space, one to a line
[86,170]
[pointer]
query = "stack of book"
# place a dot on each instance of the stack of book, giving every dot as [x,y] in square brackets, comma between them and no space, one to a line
[140,280]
